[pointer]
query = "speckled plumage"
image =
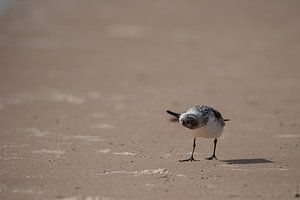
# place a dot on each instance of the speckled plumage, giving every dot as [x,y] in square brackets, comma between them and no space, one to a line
[204,113]
[204,121]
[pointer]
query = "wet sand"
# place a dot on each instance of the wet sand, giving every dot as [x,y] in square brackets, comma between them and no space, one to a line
[84,87]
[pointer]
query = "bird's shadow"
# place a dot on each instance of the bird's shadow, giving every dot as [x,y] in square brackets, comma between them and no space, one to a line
[247,161]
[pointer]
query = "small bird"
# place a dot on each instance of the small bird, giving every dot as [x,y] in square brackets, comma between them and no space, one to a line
[205,122]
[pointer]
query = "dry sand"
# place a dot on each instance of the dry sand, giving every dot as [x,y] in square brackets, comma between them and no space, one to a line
[84,86]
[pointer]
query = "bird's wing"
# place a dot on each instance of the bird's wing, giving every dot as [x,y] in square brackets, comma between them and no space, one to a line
[219,117]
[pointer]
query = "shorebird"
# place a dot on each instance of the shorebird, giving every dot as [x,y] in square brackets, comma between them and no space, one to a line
[205,122]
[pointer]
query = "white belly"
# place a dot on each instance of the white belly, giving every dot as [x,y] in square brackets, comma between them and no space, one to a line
[213,129]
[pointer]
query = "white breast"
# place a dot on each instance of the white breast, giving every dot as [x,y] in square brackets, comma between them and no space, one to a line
[213,129]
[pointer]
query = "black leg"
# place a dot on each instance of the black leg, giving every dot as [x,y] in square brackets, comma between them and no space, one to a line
[214,153]
[192,156]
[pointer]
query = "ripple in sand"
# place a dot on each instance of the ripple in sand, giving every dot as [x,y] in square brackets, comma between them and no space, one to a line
[36,132]
[104,151]
[181,175]
[59,96]
[288,136]
[47,151]
[27,191]
[102,126]
[240,169]
[88,138]
[14,146]
[45,95]
[137,173]
[124,153]
[276,169]
[151,185]
[229,166]
[86,198]
[11,157]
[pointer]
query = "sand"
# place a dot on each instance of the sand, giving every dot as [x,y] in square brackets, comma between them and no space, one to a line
[84,86]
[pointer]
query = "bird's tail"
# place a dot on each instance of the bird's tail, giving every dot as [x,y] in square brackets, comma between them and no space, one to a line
[177,115]
[225,120]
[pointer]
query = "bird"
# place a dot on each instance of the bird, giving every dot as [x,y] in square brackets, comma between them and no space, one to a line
[205,122]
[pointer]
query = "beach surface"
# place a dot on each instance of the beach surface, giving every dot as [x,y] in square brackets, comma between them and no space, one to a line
[84,86]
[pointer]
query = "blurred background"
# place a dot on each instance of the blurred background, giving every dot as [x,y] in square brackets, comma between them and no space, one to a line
[82,77]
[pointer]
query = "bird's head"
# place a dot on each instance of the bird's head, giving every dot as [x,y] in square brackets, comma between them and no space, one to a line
[189,120]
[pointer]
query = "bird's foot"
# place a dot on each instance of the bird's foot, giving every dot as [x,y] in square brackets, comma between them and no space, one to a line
[189,159]
[212,157]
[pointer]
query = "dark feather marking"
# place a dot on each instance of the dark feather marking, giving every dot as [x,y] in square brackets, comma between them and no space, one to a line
[177,115]
[190,121]
[218,116]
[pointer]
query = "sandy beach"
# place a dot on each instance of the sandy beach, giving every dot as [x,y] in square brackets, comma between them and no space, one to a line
[84,86]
